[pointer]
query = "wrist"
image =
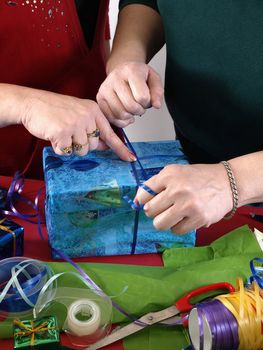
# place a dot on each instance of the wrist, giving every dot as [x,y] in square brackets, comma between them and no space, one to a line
[119,58]
[248,170]
[13,104]
[233,187]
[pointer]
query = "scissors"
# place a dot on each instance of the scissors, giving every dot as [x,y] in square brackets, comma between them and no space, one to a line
[167,316]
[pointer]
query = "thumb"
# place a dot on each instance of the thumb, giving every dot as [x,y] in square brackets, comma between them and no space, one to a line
[156,88]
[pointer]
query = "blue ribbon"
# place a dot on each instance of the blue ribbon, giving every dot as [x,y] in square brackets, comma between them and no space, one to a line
[257,273]
[135,206]
[20,283]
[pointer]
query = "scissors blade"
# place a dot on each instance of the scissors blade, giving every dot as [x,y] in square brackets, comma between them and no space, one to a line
[117,335]
[141,323]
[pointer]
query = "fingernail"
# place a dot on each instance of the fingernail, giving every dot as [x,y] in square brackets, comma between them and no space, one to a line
[132,157]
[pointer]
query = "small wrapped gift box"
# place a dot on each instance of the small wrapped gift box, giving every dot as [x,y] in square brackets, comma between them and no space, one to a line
[39,334]
[3,198]
[86,214]
[11,239]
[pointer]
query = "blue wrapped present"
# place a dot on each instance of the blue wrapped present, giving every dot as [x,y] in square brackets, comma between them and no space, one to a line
[86,214]
[11,239]
[3,198]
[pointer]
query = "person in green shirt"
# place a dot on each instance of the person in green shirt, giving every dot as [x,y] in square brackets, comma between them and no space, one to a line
[214,93]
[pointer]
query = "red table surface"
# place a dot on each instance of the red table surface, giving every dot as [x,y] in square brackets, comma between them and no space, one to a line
[38,249]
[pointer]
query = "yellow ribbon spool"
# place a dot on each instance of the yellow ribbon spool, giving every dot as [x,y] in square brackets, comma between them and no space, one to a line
[247,307]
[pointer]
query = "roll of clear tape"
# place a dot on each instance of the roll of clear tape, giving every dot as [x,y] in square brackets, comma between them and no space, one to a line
[83,307]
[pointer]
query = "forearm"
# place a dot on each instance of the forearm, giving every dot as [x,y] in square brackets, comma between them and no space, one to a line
[139,35]
[12,104]
[248,171]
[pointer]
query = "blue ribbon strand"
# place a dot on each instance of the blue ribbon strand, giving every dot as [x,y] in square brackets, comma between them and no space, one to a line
[127,199]
[257,272]
[134,205]
[20,283]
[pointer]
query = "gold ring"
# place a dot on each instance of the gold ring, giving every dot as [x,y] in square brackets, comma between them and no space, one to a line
[77,147]
[67,150]
[95,133]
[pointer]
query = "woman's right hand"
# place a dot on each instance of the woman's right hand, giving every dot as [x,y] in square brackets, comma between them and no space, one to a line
[129,90]
[65,121]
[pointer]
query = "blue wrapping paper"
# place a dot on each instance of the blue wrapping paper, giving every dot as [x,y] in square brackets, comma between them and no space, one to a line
[11,244]
[85,211]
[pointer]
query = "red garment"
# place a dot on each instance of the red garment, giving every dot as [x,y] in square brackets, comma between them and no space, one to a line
[42,46]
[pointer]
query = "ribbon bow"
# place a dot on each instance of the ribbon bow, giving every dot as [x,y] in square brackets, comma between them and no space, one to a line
[31,331]
[7,229]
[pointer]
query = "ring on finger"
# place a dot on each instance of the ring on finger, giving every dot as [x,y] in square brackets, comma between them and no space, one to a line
[67,150]
[95,133]
[77,147]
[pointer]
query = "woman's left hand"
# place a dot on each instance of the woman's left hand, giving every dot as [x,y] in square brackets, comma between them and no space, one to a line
[188,197]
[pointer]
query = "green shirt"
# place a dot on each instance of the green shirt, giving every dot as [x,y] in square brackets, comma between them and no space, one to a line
[214,74]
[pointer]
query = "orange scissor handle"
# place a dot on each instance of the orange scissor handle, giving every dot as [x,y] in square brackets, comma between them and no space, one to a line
[184,304]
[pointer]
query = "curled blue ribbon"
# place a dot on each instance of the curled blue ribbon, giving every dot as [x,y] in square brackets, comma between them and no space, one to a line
[257,272]
[21,281]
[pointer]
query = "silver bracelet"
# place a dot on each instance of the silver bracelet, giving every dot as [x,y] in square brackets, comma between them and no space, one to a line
[233,186]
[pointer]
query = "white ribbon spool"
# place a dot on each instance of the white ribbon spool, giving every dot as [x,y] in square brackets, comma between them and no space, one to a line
[84,307]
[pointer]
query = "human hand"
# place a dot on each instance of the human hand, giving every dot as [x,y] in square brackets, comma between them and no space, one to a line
[65,121]
[188,197]
[129,90]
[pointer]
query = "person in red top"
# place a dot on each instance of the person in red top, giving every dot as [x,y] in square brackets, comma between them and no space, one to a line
[52,63]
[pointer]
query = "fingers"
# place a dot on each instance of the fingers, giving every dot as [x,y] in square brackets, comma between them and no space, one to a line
[156,89]
[168,218]
[80,142]
[143,196]
[132,102]
[186,225]
[128,91]
[63,147]
[112,140]
[93,142]
[115,113]
[140,91]
[158,204]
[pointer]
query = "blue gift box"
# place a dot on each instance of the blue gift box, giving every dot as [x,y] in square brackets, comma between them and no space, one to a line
[86,214]
[11,239]
[3,198]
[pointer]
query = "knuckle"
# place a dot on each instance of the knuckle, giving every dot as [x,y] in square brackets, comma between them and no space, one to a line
[159,91]
[110,134]
[196,205]
[102,91]
[144,100]
[128,68]
[58,132]
[178,230]
[159,225]
[148,211]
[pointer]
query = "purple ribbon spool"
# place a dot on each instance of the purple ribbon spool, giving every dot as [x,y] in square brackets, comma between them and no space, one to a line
[213,327]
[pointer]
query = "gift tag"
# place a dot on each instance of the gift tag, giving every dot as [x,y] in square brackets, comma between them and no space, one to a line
[259,237]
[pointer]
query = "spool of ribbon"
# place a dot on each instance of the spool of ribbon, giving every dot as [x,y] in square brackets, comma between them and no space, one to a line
[21,280]
[8,230]
[229,322]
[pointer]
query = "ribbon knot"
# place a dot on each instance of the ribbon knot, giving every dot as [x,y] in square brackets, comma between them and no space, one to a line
[31,331]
